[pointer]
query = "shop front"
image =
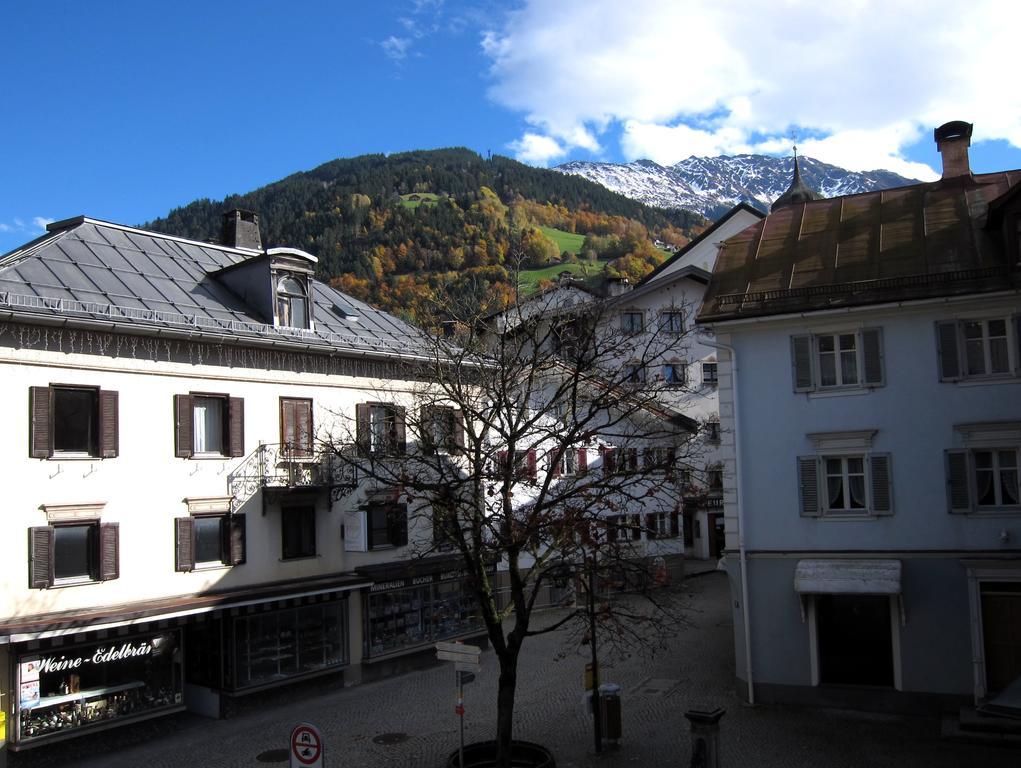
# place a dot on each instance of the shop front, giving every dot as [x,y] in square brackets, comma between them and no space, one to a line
[64,690]
[411,606]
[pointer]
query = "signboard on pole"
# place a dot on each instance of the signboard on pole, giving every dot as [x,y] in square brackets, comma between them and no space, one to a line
[458,652]
[306,747]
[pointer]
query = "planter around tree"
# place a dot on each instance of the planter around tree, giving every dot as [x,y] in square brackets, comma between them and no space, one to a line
[524,754]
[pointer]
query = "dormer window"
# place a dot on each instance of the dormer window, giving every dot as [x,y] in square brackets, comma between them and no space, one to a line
[292,303]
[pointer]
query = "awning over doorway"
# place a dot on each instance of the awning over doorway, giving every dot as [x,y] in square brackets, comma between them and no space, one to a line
[847,577]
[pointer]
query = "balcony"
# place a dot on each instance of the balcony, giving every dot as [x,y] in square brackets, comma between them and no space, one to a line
[278,467]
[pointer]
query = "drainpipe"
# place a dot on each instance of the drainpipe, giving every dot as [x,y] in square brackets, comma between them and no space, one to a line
[742,553]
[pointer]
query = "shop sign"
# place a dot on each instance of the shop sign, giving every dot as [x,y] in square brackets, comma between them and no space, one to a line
[102,655]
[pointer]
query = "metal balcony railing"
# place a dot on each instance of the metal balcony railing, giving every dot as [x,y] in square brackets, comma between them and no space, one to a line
[280,465]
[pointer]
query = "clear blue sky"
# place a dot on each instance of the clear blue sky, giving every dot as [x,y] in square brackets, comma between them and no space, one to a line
[124,110]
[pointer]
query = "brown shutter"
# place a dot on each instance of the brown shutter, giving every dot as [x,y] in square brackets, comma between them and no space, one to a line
[40,415]
[582,461]
[362,427]
[958,485]
[184,544]
[808,486]
[801,362]
[288,431]
[1017,345]
[554,465]
[238,552]
[872,349]
[183,441]
[881,479]
[501,463]
[426,416]
[636,527]
[457,429]
[675,525]
[109,426]
[609,465]
[650,526]
[949,355]
[531,465]
[40,554]
[399,525]
[400,430]
[109,551]
[236,425]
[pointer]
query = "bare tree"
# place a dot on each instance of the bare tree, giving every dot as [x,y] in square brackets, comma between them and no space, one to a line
[541,438]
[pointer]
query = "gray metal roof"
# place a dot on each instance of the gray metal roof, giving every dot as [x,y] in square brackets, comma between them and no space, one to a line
[94,271]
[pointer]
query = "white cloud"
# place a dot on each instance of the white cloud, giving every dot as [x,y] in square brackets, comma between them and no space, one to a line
[37,226]
[536,149]
[5,227]
[861,79]
[41,222]
[396,48]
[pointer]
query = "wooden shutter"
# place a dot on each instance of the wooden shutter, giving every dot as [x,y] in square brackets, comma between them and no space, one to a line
[353,531]
[958,482]
[582,461]
[236,536]
[554,465]
[457,429]
[398,524]
[236,426]
[881,481]
[636,527]
[808,486]
[650,526]
[109,424]
[362,429]
[40,555]
[801,362]
[872,355]
[1017,344]
[109,551]
[531,468]
[609,465]
[427,414]
[675,525]
[40,416]
[948,352]
[400,430]
[184,442]
[184,544]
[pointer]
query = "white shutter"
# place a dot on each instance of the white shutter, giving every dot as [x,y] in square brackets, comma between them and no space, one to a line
[354,531]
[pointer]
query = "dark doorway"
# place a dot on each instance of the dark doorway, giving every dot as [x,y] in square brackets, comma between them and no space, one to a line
[855,640]
[1001,633]
[717,536]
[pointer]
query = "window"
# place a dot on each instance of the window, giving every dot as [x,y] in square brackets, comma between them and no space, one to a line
[524,467]
[609,457]
[381,429]
[714,477]
[660,458]
[709,374]
[387,524]
[209,540]
[442,429]
[632,322]
[296,428]
[979,348]
[292,303]
[73,553]
[983,479]
[633,374]
[675,374]
[298,532]
[837,360]
[208,425]
[566,465]
[845,485]
[712,431]
[671,322]
[72,422]
[661,525]
[445,529]
[629,460]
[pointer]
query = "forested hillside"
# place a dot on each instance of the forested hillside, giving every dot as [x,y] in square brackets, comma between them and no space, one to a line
[395,230]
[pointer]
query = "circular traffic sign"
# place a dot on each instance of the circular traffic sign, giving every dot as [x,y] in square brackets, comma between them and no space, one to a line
[306,745]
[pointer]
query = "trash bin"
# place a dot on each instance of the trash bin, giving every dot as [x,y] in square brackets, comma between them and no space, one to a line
[609,705]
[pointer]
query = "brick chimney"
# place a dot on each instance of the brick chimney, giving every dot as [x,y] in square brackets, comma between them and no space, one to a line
[241,230]
[952,141]
[617,285]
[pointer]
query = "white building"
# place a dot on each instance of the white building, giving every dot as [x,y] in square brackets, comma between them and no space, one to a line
[173,534]
[873,512]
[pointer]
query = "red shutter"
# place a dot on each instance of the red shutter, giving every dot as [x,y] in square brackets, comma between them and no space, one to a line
[501,462]
[582,461]
[609,465]
[554,465]
[40,554]
[362,426]
[457,428]
[400,430]
[109,426]
[183,441]
[238,553]
[237,426]
[109,551]
[184,544]
[531,465]
[40,433]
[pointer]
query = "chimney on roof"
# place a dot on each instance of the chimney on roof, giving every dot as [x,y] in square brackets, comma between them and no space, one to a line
[952,141]
[241,230]
[618,285]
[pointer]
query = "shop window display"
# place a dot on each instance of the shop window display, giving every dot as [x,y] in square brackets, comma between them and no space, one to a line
[399,618]
[77,687]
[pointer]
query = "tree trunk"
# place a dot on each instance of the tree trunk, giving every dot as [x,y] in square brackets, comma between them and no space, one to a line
[505,708]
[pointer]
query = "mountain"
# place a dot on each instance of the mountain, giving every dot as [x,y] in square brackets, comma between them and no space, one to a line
[712,185]
[401,230]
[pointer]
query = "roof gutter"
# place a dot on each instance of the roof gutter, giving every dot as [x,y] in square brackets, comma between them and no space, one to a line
[742,551]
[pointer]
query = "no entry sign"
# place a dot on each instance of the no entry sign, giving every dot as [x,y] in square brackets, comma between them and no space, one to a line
[306,747]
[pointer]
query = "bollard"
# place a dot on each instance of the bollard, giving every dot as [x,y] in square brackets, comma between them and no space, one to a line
[705,737]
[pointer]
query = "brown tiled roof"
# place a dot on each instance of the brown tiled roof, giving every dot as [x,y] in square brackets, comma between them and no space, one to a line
[921,241]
